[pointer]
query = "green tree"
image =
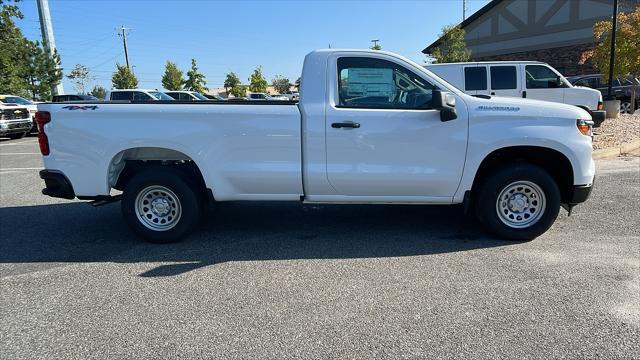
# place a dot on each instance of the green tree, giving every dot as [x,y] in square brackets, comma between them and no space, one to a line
[99,92]
[452,47]
[13,52]
[297,83]
[257,82]
[281,84]
[195,79]
[627,48]
[230,82]
[172,78]
[42,71]
[123,78]
[239,91]
[80,76]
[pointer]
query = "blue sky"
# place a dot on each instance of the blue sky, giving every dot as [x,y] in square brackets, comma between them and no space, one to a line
[234,36]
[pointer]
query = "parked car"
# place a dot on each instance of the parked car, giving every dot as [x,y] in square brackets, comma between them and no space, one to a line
[278,97]
[214,97]
[74,97]
[622,88]
[292,95]
[30,105]
[526,79]
[186,95]
[136,95]
[373,127]
[15,120]
[264,96]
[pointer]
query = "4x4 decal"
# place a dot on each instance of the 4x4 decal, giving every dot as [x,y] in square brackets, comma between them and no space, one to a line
[78,107]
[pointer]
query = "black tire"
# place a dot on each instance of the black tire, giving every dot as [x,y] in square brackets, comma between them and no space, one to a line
[179,186]
[487,206]
[16,136]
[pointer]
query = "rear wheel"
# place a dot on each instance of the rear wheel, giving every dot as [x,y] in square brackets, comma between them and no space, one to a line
[161,205]
[625,107]
[518,203]
[17,136]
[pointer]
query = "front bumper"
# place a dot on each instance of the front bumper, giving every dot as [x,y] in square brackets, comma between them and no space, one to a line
[598,117]
[15,127]
[579,194]
[57,185]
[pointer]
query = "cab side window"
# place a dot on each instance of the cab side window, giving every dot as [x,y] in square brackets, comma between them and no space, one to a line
[380,84]
[541,77]
[475,78]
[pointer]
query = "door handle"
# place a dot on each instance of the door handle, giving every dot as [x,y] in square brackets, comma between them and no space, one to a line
[493,93]
[346,124]
[524,94]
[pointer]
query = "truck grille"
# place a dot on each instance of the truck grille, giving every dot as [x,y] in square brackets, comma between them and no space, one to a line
[14,114]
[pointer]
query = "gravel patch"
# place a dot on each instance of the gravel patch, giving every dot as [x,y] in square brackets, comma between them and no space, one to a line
[615,132]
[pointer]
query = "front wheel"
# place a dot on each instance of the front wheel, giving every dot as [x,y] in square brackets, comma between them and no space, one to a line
[625,107]
[519,202]
[160,205]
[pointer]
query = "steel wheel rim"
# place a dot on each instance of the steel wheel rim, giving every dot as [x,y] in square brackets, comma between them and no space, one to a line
[158,208]
[520,204]
[625,108]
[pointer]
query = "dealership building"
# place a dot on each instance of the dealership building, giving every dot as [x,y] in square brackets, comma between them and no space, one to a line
[553,31]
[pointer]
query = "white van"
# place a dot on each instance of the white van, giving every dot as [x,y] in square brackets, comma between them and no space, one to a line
[527,79]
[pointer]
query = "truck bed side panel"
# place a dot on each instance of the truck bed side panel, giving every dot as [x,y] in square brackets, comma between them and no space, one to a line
[244,152]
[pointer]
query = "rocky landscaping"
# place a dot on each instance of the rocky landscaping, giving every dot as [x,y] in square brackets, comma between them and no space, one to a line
[615,132]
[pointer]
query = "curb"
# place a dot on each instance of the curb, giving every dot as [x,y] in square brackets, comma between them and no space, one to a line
[616,151]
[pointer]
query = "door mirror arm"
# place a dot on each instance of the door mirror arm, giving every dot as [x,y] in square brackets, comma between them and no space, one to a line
[446,103]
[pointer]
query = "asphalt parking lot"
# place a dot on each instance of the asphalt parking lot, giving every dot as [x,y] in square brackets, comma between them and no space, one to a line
[273,280]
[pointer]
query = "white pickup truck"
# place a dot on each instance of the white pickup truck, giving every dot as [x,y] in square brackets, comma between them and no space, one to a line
[370,127]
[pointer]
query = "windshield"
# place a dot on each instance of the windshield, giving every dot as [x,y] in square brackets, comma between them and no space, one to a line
[199,96]
[160,95]
[15,100]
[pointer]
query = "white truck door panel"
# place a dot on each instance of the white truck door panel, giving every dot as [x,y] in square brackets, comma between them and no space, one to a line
[391,152]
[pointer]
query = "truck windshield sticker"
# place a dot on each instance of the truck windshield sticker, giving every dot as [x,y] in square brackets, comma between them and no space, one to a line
[498,108]
[370,82]
[77,107]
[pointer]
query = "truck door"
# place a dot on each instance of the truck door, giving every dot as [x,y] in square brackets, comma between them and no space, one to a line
[504,80]
[475,80]
[542,83]
[384,142]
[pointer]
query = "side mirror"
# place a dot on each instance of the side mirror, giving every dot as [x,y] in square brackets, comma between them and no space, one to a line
[446,103]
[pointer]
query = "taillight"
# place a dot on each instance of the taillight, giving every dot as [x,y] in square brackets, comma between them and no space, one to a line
[43,117]
[600,105]
[585,127]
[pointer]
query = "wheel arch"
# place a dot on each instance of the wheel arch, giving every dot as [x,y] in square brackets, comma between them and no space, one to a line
[128,162]
[551,160]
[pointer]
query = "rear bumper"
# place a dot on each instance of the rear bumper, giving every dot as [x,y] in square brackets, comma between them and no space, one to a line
[598,116]
[57,185]
[579,194]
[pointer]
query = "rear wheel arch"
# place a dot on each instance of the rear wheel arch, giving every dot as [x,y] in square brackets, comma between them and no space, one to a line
[550,160]
[127,163]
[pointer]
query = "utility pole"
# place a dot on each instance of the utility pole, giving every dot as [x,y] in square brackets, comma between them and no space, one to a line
[464,10]
[375,44]
[48,41]
[124,42]
[612,60]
